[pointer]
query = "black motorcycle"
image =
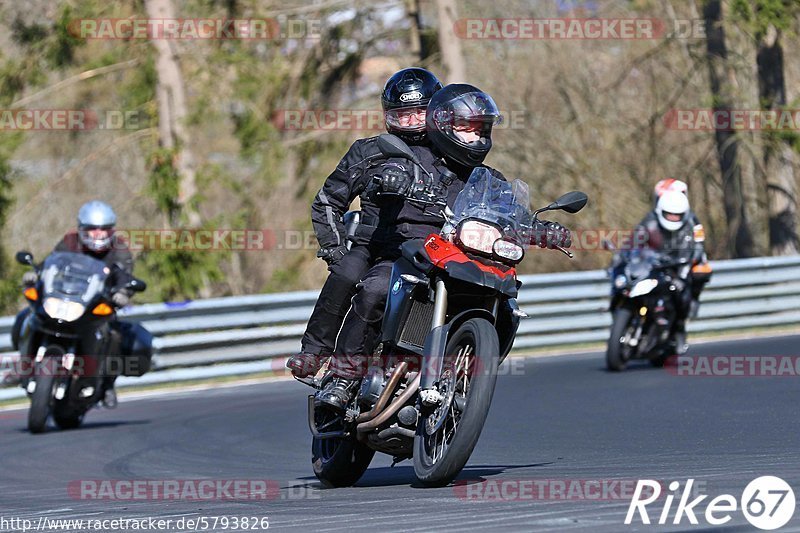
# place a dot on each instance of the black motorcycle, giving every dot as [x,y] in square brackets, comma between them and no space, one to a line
[67,342]
[645,284]
[451,319]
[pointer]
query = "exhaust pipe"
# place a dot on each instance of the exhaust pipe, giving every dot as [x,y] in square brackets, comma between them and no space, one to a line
[386,393]
[395,406]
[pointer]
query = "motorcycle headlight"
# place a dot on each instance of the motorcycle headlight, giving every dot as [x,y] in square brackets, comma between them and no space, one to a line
[63,309]
[620,281]
[508,250]
[643,287]
[478,236]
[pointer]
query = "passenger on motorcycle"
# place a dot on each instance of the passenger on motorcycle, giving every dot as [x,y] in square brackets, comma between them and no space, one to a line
[404,100]
[459,121]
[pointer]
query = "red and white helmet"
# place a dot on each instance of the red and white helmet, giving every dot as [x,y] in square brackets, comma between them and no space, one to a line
[672,210]
[670,184]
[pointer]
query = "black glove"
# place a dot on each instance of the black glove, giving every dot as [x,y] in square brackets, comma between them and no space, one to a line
[332,255]
[551,235]
[30,278]
[120,299]
[396,179]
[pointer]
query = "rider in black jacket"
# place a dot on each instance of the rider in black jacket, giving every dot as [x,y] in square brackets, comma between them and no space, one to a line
[459,121]
[404,100]
[95,237]
[673,229]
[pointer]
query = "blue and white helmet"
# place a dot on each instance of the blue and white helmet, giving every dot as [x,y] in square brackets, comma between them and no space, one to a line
[96,215]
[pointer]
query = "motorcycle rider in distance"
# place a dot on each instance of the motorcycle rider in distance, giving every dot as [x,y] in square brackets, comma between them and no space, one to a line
[673,229]
[459,121]
[702,271]
[671,184]
[404,100]
[95,237]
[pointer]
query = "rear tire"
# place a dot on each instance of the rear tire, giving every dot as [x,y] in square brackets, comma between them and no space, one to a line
[615,358]
[338,462]
[40,402]
[481,368]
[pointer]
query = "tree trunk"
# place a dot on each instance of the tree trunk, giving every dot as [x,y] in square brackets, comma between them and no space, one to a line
[415,34]
[739,235]
[779,158]
[449,43]
[172,111]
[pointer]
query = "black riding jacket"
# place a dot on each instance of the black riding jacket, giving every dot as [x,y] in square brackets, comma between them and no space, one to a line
[387,221]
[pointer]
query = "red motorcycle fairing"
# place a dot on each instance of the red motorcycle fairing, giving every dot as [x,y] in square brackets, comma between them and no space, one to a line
[450,258]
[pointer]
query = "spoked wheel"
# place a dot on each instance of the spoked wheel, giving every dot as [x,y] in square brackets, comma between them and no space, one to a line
[447,435]
[341,461]
[619,352]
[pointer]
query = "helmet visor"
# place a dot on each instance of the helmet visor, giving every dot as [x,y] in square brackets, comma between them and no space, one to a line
[96,238]
[673,217]
[471,108]
[411,119]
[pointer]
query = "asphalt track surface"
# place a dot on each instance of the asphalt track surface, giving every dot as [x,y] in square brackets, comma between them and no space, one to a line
[562,418]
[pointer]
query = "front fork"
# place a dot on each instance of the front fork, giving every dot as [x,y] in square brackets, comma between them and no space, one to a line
[66,364]
[436,342]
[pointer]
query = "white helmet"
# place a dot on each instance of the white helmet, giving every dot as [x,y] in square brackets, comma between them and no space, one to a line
[672,210]
[96,215]
[671,184]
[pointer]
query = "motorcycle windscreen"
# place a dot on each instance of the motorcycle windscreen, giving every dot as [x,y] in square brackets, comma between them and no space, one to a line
[504,204]
[72,276]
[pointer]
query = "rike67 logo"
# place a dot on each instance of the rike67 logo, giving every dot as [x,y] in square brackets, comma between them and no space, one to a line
[767,503]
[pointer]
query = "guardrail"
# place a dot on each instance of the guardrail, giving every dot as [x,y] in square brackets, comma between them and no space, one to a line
[568,308]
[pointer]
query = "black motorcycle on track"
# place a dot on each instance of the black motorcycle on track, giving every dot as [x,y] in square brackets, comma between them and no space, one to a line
[451,319]
[645,283]
[66,341]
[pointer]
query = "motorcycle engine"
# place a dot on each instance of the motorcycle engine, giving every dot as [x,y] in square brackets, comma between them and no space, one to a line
[371,387]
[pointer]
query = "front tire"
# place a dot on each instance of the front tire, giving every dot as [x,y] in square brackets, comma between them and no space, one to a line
[338,462]
[446,437]
[615,357]
[40,402]
[67,421]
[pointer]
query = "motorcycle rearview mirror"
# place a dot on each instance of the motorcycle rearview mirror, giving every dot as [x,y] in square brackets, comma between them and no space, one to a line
[136,285]
[24,258]
[572,202]
[393,146]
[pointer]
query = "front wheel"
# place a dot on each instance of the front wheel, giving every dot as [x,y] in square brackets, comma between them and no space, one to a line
[446,436]
[66,418]
[338,462]
[615,353]
[40,402]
